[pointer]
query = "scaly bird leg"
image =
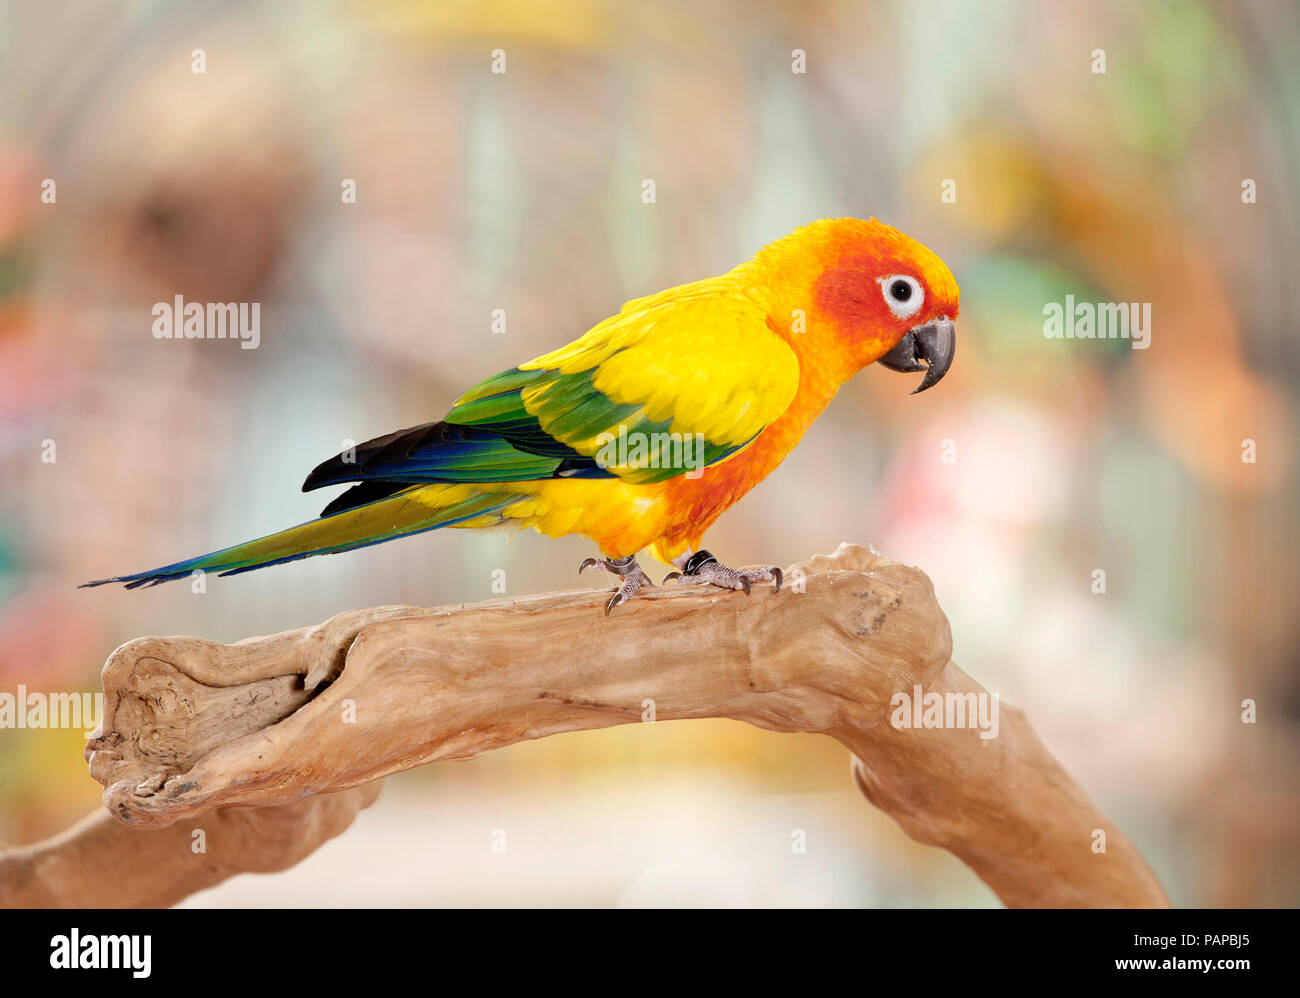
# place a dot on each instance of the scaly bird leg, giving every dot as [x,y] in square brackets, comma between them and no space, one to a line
[703,567]
[627,569]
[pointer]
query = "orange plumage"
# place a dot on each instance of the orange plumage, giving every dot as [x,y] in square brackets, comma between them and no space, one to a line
[827,271]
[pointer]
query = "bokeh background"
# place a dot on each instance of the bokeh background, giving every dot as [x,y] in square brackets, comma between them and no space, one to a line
[522,191]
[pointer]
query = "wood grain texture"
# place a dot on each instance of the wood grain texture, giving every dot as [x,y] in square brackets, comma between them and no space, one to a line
[191,725]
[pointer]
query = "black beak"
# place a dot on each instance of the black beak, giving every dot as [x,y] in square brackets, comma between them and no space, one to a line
[934,343]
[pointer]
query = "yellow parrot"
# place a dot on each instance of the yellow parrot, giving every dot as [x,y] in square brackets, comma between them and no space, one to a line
[644,430]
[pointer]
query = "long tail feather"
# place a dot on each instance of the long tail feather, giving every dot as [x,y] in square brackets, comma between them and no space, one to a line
[409,512]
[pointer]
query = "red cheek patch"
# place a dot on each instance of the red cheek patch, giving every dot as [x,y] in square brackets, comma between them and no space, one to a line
[850,296]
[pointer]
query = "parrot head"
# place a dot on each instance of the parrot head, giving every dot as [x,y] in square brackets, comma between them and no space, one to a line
[875,293]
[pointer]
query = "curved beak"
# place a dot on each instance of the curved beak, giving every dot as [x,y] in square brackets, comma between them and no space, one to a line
[934,343]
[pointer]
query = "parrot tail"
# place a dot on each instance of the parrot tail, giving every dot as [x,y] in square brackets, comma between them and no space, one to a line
[415,509]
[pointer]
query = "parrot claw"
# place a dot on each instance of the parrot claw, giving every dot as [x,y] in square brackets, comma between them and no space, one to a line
[627,569]
[703,568]
[618,599]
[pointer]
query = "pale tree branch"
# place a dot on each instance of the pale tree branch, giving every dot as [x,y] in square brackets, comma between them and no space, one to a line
[192,725]
[102,863]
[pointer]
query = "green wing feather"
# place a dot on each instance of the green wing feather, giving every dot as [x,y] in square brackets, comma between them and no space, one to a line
[693,380]
[697,364]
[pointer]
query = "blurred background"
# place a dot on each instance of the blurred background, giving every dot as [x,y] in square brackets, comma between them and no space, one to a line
[522,191]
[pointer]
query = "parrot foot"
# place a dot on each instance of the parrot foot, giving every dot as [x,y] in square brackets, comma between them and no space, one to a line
[704,568]
[627,569]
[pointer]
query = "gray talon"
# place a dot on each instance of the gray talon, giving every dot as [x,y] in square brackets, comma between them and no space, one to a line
[633,579]
[705,569]
[701,568]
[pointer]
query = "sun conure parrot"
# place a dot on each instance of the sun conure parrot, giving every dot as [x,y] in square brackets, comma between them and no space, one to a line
[642,431]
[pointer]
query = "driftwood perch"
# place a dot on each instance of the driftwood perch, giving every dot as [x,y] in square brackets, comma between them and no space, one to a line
[191,725]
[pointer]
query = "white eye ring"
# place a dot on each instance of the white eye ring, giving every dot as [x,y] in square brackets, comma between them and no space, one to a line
[904,295]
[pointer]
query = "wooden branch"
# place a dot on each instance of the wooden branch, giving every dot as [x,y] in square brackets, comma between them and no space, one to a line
[101,863]
[190,725]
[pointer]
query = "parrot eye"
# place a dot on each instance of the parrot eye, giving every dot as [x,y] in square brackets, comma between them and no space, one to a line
[904,295]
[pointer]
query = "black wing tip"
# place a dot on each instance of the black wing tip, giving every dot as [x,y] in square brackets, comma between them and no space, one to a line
[362,494]
[337,471]
[316,479]
[326,473]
